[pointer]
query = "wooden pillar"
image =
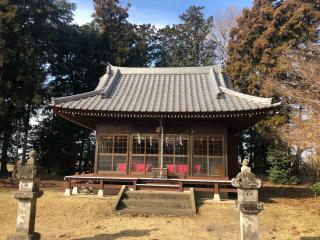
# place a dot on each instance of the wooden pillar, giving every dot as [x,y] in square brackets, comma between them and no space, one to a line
[134,185]
[180,186]
[96,154]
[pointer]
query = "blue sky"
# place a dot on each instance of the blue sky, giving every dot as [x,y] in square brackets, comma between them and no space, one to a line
[159,12]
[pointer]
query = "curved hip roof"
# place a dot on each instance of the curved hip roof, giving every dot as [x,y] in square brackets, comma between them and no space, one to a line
[179,90]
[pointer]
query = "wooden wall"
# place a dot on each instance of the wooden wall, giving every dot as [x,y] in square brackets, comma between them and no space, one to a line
[233,142]
[176,126]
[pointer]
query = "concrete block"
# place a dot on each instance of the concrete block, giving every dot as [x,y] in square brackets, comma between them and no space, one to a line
[75,190]
[216,197]
[100,193]
[67,192]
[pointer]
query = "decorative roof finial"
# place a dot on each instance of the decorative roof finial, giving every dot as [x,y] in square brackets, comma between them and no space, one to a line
[220,95]
[222,66]
[108,69]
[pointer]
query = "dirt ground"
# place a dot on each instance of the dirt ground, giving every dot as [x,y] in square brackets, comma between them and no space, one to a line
[289,213]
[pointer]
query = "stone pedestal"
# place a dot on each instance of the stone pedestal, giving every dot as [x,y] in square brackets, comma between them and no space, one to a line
[67,192]
[100,193]
[75,190]
[27,201]
[216,197]
[247,203]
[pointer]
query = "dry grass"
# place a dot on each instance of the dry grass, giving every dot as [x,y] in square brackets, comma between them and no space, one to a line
[290,213]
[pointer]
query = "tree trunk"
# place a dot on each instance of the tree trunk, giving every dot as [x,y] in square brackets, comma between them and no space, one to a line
[81,154]
[241,151]
[26,125]
[251,146]
[17,143]
[4,150]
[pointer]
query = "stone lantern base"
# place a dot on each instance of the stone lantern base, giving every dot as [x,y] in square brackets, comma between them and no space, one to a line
[22,236]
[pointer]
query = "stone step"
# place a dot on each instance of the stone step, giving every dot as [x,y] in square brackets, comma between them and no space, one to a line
[160,185]
[154,203]
[156,195]
[157,211]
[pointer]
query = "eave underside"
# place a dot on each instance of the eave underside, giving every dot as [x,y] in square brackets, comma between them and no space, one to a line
[89,119]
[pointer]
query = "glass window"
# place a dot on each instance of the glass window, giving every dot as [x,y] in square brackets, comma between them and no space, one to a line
[138,145]
[120,144]
[215,146]
[175,150]
[106,144]
[208,156]
[145,153]
[152,146]
[112,155]
[200,146]
[168,146]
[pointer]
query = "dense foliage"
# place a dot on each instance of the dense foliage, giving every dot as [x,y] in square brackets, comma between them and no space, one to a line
[263,36]
[187,43]
[316,188]
[282,169]
[259,47]
[44,55]
[26,31]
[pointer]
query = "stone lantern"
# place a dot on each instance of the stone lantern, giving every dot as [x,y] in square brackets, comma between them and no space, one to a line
[27,199]
[247,188]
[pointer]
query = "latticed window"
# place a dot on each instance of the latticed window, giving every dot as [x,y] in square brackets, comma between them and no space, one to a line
[208,156]
[175,155]
[145,153]
[113,152]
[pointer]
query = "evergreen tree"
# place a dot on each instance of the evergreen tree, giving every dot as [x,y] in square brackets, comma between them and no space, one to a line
[124,44]
[75,68]
[79,58]
[281,166]
[26,30]
[188,43]
[258,50]
[264,35]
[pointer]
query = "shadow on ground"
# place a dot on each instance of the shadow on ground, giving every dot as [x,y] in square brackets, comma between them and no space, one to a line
[271,193]
[310,238]
[121,234]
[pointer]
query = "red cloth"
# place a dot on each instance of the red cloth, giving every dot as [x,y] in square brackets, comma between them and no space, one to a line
[139,167]
[122,167]
[182,168]
[148,167]
[171,168]
[197,168]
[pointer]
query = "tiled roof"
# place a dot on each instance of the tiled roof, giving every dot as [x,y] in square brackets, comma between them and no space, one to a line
[163,90]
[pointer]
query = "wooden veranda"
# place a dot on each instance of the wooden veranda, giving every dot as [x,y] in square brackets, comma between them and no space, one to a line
[102,182]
